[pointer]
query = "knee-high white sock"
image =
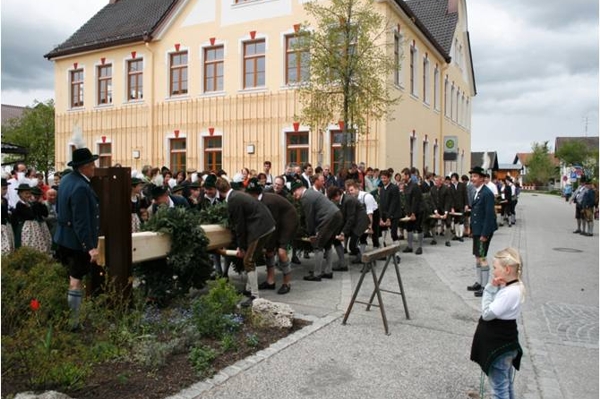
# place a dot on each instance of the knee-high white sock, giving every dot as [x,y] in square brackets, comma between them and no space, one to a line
[253,283]
[485,275]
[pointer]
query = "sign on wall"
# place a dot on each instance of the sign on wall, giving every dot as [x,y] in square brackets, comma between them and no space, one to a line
[450,148]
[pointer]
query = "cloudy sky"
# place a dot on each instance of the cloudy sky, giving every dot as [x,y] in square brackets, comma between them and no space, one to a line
[536,65]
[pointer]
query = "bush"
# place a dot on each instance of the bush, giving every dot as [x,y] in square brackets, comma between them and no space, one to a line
[187,264]
[214,313]
[201,359]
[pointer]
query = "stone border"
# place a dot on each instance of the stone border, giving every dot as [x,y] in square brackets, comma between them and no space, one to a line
[194,391]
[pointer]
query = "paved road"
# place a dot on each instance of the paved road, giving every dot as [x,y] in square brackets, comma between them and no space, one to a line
[428,355]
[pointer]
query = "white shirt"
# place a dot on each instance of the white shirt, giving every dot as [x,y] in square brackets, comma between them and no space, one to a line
[368,201]
[501,303]
[493,188]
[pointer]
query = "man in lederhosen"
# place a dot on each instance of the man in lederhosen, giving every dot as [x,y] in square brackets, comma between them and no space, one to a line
[483,225]
[78,225]
[389,205]
[414,226]
[460,204]
[323,221]
[253,224]
[286,224]
[442,201]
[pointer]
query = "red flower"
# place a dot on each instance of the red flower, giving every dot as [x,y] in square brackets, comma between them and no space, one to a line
[34,304]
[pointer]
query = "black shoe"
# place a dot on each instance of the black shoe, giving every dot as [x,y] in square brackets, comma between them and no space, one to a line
[407,250]
[356,260]
[419,251]
[340,269]
[448,244]
[455,238]
[266,286]
[474,287]
[460,239]
[401,238]
[327,275]
[590,234]
[312,277]
[398,259]
[296,260]
[244,293]
[577,231]
[433,242]
[478,293]
[248,302]
[284,289]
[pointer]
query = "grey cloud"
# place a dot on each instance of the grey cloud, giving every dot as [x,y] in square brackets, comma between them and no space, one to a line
[26,68]
[557,14]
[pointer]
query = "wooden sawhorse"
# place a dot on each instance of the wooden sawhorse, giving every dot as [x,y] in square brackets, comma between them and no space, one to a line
[369,260]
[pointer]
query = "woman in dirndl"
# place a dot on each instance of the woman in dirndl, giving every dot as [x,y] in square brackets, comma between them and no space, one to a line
[8,238]
[137,203]
[27,232]
[40,210]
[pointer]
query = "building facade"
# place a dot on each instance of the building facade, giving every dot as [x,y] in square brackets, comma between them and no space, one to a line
[211,84]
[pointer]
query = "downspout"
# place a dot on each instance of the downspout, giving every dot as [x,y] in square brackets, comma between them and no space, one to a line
[442,115]
[147,39]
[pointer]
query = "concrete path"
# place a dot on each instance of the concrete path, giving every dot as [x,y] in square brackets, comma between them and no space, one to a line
[428,355]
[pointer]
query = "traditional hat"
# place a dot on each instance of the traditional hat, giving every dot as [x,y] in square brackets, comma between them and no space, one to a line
[36,191]
[4,182]
[177,188]
[210,181]
[236,185]
[24,187]
[254,186]
[157,191]
[296,185]
[478,170]
[194,186]
[65,172]
[135,181]
[81,156]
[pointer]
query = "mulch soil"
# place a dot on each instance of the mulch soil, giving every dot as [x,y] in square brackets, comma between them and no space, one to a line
[127,380]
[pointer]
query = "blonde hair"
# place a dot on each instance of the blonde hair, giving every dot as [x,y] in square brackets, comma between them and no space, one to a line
[511,257]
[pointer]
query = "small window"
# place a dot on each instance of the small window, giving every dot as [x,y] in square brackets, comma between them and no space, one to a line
[213,153]
[413,142]
[105,155]
[179,74]
[178,154]
[436,88]
[426,80]
[135,79]
[77,88]
[296,60]
[398,59]
[254,64]
[297,148]
[413,70]
[213,68]
[105,84]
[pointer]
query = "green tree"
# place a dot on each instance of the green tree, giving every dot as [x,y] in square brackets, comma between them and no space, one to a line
[540,168]
[34,130]
[350,65]
[574,152]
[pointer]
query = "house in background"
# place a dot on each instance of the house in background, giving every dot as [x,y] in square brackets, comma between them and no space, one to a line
[509,169]
[522,160]
[210,84]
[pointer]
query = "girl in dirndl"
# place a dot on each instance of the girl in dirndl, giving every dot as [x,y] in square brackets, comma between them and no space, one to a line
[27,232]
[8,238]
[40,210]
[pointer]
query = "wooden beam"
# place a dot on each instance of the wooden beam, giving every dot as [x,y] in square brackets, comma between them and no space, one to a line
[380,253]
[148,245]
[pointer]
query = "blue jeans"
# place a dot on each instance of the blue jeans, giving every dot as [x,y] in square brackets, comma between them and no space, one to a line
[501,376]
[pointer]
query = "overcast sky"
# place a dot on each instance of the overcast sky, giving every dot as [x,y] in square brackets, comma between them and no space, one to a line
[536,65]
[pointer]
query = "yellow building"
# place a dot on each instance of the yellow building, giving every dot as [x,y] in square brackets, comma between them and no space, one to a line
[210,85]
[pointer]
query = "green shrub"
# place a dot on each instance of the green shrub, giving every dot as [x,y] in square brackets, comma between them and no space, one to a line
[201,359]
[229,343]
[214,313]
[38,281]
[187,264]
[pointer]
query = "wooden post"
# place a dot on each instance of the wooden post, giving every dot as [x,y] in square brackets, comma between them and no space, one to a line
[113,186]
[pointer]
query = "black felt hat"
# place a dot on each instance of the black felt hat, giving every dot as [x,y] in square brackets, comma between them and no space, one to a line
[157,191]
[24,187]
[135,181]
[81,156]
[210,181]
[177,188]
[478,170]
[254,186]
[296,185]
[36,191]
